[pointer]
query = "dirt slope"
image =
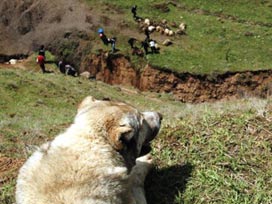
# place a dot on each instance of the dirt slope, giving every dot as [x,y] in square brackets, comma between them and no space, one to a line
[24,25]
[185,87]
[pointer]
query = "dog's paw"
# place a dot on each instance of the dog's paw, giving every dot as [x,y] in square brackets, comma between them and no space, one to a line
[145,160]
[143,165]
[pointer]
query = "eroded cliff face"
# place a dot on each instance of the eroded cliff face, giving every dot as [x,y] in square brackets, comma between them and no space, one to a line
[112,69]
[117,69]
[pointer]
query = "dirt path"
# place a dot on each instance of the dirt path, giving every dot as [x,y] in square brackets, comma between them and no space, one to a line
[20,64]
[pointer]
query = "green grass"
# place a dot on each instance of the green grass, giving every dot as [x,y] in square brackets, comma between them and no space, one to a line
[256,11]
[216,40]
[205,153]
[222,158]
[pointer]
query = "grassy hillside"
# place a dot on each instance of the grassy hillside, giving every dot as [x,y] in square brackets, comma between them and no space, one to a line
[206,153]
[221,35]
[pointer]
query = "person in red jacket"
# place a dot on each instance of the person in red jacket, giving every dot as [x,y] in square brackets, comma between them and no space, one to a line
[41,58]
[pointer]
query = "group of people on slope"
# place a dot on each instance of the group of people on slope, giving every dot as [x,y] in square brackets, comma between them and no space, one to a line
[145,44]
[70,70]
[64,68]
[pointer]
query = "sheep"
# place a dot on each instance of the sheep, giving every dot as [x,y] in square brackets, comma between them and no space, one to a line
[171,33]
[166,31]
[159,28]
[164,21]
[157,46]
[147,21]
[180,32]
[167,42]
[182,26]
[151,28]
[12,61]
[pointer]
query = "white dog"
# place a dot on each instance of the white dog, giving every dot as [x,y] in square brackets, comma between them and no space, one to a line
[94,160]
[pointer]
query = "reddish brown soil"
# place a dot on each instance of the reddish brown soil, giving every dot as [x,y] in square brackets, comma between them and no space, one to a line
[117,69]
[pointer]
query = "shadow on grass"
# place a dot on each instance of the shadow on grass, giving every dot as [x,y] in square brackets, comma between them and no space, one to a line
[163,185]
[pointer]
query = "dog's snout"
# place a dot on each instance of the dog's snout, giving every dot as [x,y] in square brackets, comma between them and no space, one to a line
[153,119]
[160,116]
[152,116]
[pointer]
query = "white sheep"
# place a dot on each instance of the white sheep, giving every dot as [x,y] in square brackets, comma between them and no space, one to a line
[171,33]
[164,21]
[147,21]
[166,31]
[159,28]
[13,61]
[151,28]
[182,26]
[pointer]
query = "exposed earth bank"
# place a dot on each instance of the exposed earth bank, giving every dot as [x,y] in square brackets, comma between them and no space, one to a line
[185,87]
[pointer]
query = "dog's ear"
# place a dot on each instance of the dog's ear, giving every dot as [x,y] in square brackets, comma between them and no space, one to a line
[122,135]
[86,101]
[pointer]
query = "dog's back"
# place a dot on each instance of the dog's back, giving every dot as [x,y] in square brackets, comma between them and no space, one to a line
[59,173]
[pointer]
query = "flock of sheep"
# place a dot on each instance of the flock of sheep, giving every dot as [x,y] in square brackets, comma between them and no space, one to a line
[162,27]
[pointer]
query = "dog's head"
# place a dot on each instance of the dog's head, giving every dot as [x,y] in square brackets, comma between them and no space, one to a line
[126,129]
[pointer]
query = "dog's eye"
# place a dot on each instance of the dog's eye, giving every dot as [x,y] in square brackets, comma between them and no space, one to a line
[128,144]
[124,140]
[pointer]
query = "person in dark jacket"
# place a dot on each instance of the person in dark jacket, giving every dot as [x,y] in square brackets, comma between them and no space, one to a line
[102,36]
[69,70]
[112,41]
[61,66]
[42,51]
[147,33]
[152,45]
[131,42]
[134,11]
[145,46]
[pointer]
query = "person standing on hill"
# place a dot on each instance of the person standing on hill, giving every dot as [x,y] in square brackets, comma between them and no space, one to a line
[152,45]
[113,42]
[41,59]
[131,42]
[106,40]
[147,33]
[145,46]
[134,11]
[103,37]
[61,66]
[42,50]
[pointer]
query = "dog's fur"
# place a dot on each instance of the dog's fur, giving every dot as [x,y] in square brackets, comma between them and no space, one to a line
[94,161]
